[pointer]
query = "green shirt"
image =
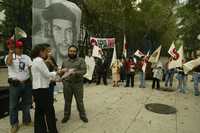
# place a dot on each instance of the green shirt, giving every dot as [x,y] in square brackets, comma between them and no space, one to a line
[80,69]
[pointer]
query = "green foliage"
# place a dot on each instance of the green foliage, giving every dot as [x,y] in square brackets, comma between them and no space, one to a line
[190,24]
[18,13]
[151,18]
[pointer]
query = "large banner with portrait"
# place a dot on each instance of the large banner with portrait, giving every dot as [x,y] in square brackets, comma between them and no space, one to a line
[56,22]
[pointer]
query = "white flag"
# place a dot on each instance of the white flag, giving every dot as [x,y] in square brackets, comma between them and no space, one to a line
[114,57]
[188,66]
[155,55]
[90,63]
[125,47]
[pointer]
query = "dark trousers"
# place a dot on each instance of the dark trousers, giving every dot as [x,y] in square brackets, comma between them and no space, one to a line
[17,93]
[51,91]
[104,76]
[122,74]
[70,90]
[130,76]
[44,112]
[156,81]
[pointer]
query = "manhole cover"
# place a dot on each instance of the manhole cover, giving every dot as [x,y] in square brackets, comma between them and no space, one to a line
[167,89]
[160,108]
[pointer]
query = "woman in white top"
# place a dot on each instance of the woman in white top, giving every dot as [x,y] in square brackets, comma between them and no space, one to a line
[44,110]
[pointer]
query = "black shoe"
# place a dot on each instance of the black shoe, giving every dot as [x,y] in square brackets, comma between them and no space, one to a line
[84,119]
[65,119]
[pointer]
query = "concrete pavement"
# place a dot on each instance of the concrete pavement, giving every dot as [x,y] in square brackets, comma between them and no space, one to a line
[122,110]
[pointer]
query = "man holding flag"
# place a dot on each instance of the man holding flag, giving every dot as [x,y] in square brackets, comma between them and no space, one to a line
[142,66]
[19,80]
[170,69]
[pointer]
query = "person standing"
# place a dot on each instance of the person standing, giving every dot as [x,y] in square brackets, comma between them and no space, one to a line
[182,80]
[122,70]
[102,69]
[196,79]
[169,74]
[141,72]
[73,84]
[19,84]
[52,66]
[44,111]
[115,66]
[157,75]
[130,72]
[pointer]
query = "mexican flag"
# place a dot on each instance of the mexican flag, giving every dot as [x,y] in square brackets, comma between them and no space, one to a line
[19,33]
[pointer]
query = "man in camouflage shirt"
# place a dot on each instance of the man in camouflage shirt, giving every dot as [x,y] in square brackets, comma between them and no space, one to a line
[73,84]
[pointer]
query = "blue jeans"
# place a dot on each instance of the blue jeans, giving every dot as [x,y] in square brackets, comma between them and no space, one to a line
[142,79]
[182,80]
[196,78]
[169,77]
[20,97]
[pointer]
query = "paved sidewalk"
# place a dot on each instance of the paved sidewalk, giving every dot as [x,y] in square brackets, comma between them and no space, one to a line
[122,110]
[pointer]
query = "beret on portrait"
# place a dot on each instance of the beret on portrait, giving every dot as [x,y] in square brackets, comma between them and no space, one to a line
[58,11]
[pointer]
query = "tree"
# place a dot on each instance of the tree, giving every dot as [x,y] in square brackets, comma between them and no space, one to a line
[18,13]
[149,21]
[189,27]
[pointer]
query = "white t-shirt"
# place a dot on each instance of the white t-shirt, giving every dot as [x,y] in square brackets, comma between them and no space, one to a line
[40,74]
[19,69]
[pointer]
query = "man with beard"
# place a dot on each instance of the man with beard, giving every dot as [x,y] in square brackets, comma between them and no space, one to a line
[73,83]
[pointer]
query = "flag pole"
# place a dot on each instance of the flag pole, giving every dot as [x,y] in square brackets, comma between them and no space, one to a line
[14,44]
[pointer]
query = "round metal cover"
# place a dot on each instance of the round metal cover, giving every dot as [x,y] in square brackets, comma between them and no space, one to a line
[160,108]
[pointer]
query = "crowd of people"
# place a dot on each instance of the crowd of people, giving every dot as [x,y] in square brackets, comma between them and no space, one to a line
[124,71]
[32,79]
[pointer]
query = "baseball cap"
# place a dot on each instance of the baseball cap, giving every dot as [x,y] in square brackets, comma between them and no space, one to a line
[19,44]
